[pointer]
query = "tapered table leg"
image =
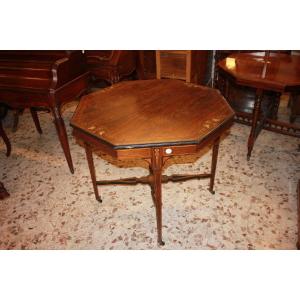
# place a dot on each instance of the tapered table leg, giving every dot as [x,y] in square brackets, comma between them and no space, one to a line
[36,121]
[89,157]
[62,135]
[214,160]
[156,168]
[5,139]
[255,119]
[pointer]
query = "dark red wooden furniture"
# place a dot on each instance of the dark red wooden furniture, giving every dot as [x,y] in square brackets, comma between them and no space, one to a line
[268,75]
[31,79]
[152,120]
[242,98]
[111,65]
[5,139]
[295,107]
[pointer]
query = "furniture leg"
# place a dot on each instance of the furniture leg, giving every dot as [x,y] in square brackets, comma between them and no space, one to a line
[255,119]
[274,115]
[293,105]
[62,135]
[3,111]
[3,191]
[227,89]
[36,120]
[156,168]
[89,156]
[5,139]
[16,119]
[214,160]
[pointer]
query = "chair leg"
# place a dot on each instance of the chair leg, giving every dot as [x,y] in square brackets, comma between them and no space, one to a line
[3,191]
[36,120]
[17,114]
[5,139]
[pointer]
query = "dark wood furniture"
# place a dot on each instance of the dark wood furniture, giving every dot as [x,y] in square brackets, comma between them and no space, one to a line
[48,79]
[188,65]
[5,139]
[295,107]
[221,54]
[111,65]
[267,76]
[152,120]
[147,64]
[242,98]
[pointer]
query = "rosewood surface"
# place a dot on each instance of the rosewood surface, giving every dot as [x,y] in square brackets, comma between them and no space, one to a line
[34,79]
[152,120]
[268,74]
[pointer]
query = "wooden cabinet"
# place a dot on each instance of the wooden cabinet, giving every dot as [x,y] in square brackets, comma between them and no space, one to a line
[189,65]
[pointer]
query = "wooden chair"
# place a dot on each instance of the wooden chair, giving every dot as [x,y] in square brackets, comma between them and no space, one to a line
[111,65]
[188,65]
[5,139]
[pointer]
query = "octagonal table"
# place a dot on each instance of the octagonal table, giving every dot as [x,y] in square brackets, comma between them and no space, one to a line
[265,73]
[152,120]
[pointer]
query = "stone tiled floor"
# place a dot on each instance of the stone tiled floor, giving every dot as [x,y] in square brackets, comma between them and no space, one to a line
[254,206]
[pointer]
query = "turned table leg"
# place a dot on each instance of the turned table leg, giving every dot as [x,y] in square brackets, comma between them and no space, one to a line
[156,169]
[89,157]
[214,160]
[5,139]
[62,135]
[255,119]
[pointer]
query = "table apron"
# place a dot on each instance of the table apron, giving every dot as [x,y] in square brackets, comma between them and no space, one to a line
[136,153]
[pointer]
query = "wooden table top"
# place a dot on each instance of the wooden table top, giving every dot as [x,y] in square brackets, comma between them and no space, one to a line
[279,72]
[143,113]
